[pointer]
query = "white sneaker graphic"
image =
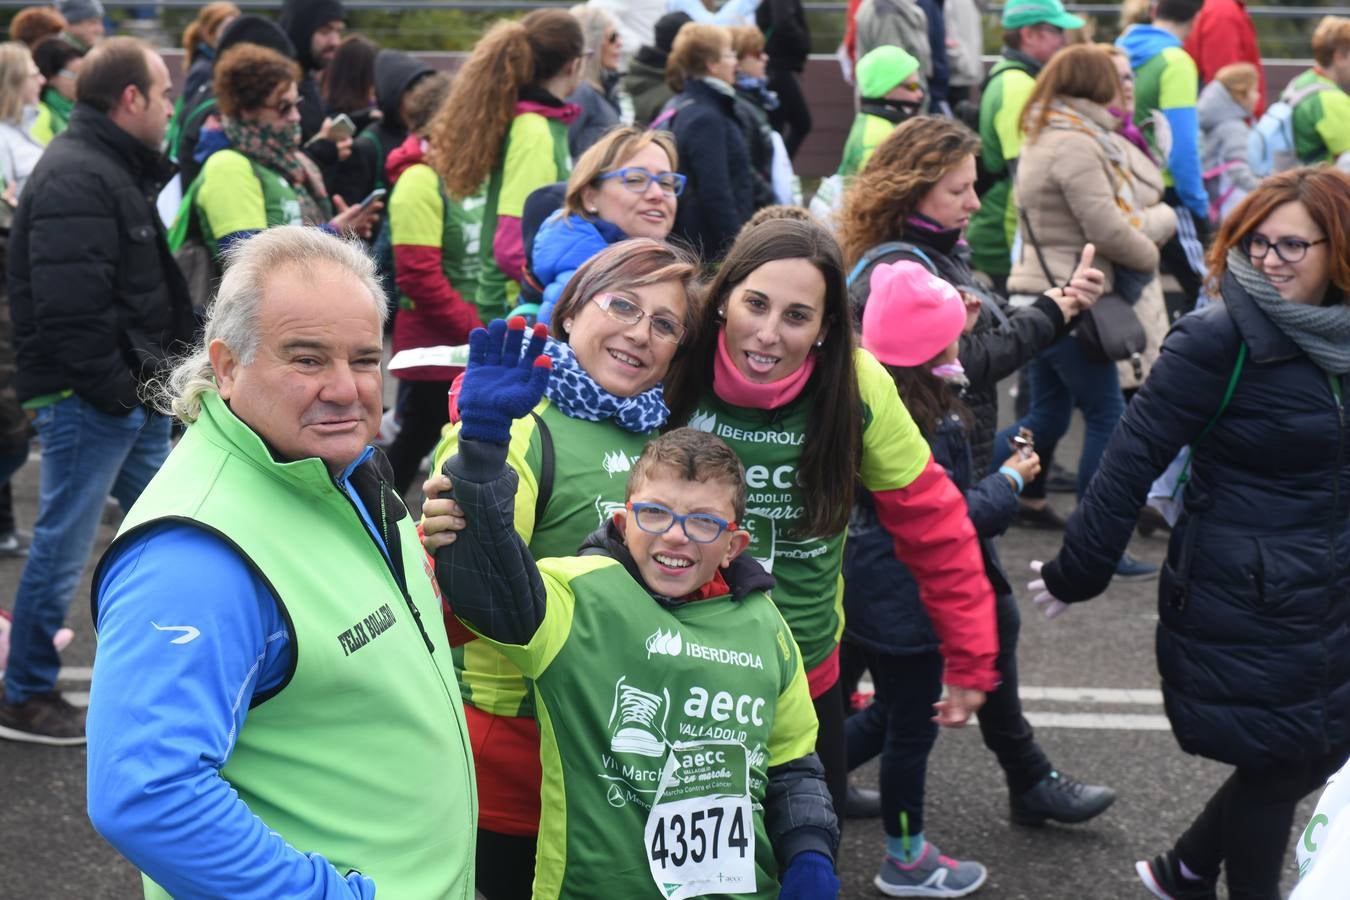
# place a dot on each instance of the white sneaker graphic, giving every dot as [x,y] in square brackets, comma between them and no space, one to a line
[634,720]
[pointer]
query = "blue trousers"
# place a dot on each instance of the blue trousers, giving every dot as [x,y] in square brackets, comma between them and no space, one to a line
[1060,378]
[86,455]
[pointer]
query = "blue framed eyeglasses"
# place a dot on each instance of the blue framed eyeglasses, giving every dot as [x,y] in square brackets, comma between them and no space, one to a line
[638,180]
[701,528]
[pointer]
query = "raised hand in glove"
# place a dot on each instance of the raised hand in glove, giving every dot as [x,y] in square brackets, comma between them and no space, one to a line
[810,876]
[1046,601]
[500,385]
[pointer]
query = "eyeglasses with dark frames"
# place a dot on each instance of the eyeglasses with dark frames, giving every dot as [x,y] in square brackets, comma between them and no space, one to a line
[1289,250]
[701,528]
[621,309]
[638,180]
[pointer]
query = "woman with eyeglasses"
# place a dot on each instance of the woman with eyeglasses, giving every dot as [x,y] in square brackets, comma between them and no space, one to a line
[59,62]
[624,186]
[773,370]
[1253,625]
[714,157]
[504,127]
[254,176]
[624,319]
[597,95]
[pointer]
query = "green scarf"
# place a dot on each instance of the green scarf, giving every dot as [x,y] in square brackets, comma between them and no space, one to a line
[278,148]
[60,109]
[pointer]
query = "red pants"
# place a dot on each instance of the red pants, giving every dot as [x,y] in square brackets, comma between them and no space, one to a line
[506,761]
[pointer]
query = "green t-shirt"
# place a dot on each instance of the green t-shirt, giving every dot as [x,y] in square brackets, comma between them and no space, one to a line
[992,226]
[658,727]
[808,569]
[238,195]
[1321,121]
[591,461]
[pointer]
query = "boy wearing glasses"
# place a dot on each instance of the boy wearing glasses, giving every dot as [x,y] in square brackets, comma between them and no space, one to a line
[677,727]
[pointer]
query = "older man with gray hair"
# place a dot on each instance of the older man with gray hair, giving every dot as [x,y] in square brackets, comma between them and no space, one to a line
[274,710]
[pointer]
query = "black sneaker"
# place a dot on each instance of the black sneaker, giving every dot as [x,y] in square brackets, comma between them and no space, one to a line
[43,719]
[862,803]
[1062,800]
[1162,876]
[1058,481]
[1045,517]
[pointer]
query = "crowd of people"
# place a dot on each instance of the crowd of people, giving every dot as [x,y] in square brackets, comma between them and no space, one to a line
[708,457]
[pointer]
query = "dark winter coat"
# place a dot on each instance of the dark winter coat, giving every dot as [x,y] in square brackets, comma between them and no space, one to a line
[882,609]
[200,72]
[1254,600]
[96,298]
[645,82]
[719,196]
[759,142]
[599,113]
[788,38]
[1005,338]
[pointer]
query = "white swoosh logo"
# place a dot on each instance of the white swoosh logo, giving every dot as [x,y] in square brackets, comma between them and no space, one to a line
[189,633]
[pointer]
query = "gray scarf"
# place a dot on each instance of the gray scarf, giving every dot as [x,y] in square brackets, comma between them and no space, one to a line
[1322,332]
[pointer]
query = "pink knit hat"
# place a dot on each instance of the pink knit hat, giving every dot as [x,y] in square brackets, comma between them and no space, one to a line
[911,315]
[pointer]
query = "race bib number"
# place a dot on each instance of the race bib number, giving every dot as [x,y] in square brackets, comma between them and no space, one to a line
[700,835]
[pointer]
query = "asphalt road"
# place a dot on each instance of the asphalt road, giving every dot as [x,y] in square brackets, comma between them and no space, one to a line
[1089,686]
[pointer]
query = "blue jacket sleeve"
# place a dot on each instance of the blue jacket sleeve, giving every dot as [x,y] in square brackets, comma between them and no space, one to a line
[1184,161]
[992,502]
[171,690]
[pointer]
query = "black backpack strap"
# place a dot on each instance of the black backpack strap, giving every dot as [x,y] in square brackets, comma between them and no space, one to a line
[546,466]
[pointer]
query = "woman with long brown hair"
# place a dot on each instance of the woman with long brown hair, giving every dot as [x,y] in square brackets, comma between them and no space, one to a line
[810,416]
[1253,625]
[504,128]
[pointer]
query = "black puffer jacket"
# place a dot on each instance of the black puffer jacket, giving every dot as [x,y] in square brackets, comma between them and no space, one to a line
[1004,339]
[719,197]
[1254,601]
[96,298]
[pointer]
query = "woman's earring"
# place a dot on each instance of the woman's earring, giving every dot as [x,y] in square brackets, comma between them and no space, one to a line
[820,343]
[567,326]
[592,210]
[721,312]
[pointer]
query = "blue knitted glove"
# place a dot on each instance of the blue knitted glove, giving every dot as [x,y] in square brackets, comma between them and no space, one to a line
[499,384]
[810,876]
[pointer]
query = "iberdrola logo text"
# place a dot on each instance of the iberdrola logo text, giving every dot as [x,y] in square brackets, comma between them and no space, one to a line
[669,643]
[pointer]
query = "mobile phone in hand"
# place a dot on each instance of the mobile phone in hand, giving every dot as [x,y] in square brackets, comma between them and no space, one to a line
[342,128]
[373,196]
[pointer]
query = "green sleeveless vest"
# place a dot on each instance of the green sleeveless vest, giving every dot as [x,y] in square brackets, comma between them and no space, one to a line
[361,755]
[658,727]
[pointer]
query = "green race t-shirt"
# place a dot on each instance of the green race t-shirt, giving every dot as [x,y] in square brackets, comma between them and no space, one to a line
[237,195]
[590,476]
[658,727]
[808,569]
[992,226]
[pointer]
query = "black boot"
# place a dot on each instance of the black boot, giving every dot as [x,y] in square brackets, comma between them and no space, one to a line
[1060,799]
[862,803]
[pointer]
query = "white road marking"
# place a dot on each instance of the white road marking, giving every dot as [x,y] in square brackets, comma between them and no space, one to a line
[1112,721]
[75,673]
[1119,696]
